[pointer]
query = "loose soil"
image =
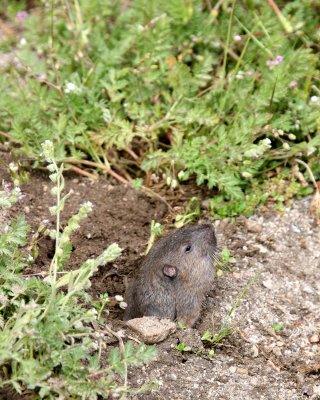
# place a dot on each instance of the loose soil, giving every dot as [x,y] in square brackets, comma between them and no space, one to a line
[281,250]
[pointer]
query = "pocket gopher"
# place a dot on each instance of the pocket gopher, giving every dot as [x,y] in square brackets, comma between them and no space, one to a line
[175,276]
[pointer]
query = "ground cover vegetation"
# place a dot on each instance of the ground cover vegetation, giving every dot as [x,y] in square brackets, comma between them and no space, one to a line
[50,329]
[226,93]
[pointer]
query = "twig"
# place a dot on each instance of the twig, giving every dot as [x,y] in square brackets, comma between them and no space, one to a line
[132,153]
[117,336]
[150,192]
[121,348]
[105,168]
[82,172]
[134,339]
[309,172]
[285,23]
[6,135]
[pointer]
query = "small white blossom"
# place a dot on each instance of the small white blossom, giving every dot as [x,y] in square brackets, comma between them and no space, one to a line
[118,297]
[314,99]
[13,166]
[72,88]
[23,41]
[267,141]
[240,75]
[291,136]
[246,174]
[123,305]
[286,146]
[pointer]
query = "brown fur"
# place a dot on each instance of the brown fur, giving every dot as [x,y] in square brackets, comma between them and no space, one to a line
[177,297]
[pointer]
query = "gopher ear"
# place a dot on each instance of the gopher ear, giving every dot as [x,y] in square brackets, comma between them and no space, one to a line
[170,271]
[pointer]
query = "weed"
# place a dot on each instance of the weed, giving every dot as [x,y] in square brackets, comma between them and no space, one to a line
[183,348]
[277,327]
[156,230]
[191,213]
[181,90]
[47,342]
[225,261]
[213,337]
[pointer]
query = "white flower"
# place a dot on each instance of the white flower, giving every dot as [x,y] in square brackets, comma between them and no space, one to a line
[267,141]
[23,41]
[286,146]
[13,166]
[291,136]
[118,297]
[72,88]
[314,99]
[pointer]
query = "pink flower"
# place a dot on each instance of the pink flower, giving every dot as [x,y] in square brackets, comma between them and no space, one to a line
[278,60]
[237,38]
[7,187]
[272,63]
[293,84]
[21,15]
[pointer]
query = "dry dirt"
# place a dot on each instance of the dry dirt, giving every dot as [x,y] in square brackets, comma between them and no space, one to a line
[256,361]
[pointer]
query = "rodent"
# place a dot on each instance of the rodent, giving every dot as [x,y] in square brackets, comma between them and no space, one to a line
[175,276]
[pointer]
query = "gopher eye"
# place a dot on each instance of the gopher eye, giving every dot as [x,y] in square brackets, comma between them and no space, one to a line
[188,248]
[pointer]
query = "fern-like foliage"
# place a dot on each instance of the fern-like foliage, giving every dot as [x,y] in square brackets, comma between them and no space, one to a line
[114,74]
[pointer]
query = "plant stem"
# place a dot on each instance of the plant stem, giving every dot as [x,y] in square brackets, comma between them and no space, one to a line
[224,66]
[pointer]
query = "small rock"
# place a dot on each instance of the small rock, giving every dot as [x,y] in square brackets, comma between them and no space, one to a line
[243,371]
[27,209]
[151,329]
[253,226]
[315,338]
[299,379]
[173,377]
[254,351]
[232,369]
[191,338]
[268,284]
[276,351]
[262,249]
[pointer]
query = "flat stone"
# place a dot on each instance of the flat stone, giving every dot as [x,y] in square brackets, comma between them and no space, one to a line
[151,329]
[253,226]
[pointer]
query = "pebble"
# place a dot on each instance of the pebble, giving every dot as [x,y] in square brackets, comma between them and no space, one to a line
[314,338]
[151,329]
[173,377]
[276,351]
[268,284]
[243,371]
[253,226]
[299,379]
[254,351]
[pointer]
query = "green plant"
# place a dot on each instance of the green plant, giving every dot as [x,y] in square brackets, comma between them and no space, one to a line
[156,229]
[183,348]
[224,261]
[277,327]
[47,342]
[215,337]
[184,91]
[191,213]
